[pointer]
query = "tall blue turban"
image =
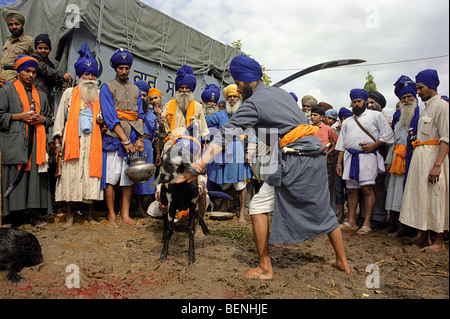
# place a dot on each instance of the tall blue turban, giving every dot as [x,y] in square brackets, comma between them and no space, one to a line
[143,86]
[86,62]
[245,69]
[404,85]
[211,92]
[121,57]
[359,94]
[185,76]
[429,77]
[343,112]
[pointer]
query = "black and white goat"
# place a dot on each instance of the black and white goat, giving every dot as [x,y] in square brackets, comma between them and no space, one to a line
[178,197]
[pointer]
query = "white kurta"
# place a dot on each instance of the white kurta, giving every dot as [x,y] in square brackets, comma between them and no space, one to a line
[75,184]
[425,206]
[351,136]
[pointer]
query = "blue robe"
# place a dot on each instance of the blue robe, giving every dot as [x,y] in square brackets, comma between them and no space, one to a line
[230,167]
[150,128]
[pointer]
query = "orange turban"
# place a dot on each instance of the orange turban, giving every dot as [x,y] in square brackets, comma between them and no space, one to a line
[154,91]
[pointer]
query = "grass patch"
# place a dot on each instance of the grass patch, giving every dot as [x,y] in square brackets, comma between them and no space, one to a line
[240,234]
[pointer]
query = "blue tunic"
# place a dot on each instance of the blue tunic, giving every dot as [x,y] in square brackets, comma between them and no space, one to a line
[229,167]
[150,128]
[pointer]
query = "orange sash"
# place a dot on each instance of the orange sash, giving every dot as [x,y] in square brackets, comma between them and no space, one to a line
[128,115]
[40,137]
[399,163]
[72,143]
[429,142]
[303,130]
[171,111]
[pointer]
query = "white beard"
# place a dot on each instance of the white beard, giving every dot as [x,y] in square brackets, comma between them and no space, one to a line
[183,100]
[88,89]
[407,112]
[231,109]
[210,109]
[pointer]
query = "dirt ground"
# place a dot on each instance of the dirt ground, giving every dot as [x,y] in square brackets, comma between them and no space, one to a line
[123,264]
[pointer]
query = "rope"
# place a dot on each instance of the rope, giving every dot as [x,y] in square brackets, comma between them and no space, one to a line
[187,46]
[126,23]
[164,42]
[135,27]
[100,23]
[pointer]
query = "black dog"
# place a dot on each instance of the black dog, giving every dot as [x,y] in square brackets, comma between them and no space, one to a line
[18,249]
[178,197]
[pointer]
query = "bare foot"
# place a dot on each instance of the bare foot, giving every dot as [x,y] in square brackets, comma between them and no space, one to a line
[92,221]
[112,223]
[199,232]
[258,273]
[340,266]
[434,247]
[68,223]
[130,221]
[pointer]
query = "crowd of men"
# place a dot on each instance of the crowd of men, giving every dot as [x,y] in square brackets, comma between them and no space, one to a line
[305,163]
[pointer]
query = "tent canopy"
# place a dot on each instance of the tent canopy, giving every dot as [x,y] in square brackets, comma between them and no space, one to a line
[131,24]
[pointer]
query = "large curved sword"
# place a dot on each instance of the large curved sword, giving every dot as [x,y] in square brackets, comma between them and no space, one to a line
[21,170]
[317,67]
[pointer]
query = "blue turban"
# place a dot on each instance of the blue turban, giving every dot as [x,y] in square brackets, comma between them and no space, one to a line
[245,69]
[331,113]
[24,62]
[211,93]
[121,57]
[403,86]
[359,94]
[86,63]
[185,76]
[143,86]
[428,77]
[222,101]
[343,112]
[294,96]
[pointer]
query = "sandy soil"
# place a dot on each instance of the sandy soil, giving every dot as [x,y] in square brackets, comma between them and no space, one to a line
[123,263]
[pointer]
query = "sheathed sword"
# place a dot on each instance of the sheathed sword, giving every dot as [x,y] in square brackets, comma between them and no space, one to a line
[21,170]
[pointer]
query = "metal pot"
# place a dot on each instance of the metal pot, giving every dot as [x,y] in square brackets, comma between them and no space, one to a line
[139,171]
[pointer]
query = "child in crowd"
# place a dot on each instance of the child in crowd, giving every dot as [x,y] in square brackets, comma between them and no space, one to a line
[328,137]
[46,75]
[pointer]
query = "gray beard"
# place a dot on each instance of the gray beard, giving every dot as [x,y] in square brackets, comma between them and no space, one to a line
[407,113]
[231,109]
[183,100]
[88,89]
[210,109]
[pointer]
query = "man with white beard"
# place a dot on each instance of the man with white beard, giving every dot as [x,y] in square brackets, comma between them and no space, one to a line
[77,135]
[234,168]
[399,154]
[179,113]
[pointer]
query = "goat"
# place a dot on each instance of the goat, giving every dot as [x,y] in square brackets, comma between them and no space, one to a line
[18,249]
[178,198]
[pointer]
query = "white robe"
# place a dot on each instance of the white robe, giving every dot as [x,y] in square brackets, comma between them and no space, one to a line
[425,206]
[75,184]
[370,165]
